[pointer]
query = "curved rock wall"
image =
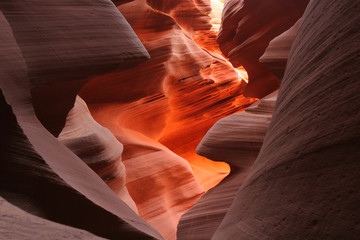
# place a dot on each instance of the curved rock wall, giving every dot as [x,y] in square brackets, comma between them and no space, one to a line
[246,30]
[38,173]
[97,147]
[277,53]
[160,182]
[236,140]
[162,100]
[304,184]
[18,224]
[65,43]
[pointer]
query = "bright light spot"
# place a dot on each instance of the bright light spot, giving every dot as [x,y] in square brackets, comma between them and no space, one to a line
[242,74]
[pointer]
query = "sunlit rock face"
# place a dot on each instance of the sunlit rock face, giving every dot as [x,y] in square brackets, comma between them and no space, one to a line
[168,103]
[158,87]
[40,50]
[304,183]
[246,30]
[160,182]
[236,140]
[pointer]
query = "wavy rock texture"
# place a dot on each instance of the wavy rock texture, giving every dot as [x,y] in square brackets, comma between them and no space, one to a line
[38,173]
[246,30]
[277,53]
[191,15]
[304,184]
[97,147]
[160,99]
[178,67]
[161,183]
[236,140]
[18,224]
[65,43]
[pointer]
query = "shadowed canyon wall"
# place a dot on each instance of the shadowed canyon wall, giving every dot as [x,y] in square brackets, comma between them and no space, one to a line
[246,30]
[304,184]
[38,173]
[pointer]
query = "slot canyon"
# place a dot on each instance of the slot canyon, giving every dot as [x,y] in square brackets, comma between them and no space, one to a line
[188,120]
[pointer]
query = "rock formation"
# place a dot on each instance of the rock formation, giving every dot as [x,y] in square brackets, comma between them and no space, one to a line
[18,224]
[97,147]
[62,49]
[246,30]
[276,54]
[236,140]
[159,100]
[121,164]
[38,173]
[304,183]
[157,88]
[160,182]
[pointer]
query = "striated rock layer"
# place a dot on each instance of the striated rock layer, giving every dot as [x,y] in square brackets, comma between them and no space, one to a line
[97,147]
[65,43]
[304,183]
[38,173]
[167,103]
[152,95]
[236,140]
[160,182]
[246,30]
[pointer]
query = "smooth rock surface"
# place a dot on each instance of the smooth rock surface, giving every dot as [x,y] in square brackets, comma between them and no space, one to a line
[277,53]
[236,140]
[159,98]
[63,43]
[42,176]
[160,182]
[97,147]
[304,183]
[17,224]
[246,30]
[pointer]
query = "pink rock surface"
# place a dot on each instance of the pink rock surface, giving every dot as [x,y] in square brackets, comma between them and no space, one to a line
[65,43]
[246,30]
[137,179]
[97,147]
[304,183]
[38,173]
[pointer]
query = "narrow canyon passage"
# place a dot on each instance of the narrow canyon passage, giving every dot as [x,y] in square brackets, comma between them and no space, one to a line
[179,119]
[185,87]
[160,110]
